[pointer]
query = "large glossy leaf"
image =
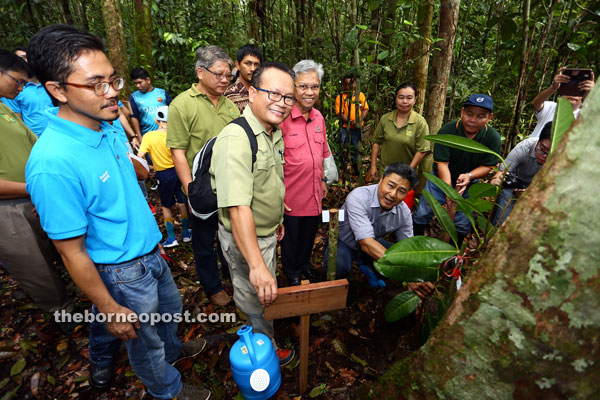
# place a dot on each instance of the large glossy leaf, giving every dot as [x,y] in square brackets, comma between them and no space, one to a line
[479,205]
[441,215]
[478,190]
[418,251]
[444,187]
[404,273]
[562,121]
[467,209]
[400,306]
[461,143]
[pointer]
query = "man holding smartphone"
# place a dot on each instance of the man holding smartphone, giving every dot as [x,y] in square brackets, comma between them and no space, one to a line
[545,110]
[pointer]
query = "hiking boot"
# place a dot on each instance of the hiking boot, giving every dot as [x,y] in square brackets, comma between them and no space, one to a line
[189,392]
[186,236]
[285,356]
[189,349]
[101,377]
[221,298]
[170,243]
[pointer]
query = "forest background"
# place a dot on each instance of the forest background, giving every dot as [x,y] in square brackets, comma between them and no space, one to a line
[448,48]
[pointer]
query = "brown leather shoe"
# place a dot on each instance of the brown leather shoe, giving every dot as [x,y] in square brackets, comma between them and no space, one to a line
[221,298]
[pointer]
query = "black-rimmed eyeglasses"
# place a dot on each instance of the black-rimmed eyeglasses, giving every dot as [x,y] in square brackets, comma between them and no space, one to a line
[274,96]
[100,88]
[541,151]
[19,82]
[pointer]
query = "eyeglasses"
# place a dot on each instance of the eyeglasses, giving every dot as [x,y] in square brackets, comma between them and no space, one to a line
[541,151]
[303,87]
[100,88]
[19,82]
[221,75]
[274,96]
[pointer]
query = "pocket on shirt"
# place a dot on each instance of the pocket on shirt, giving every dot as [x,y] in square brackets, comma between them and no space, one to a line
[294,148]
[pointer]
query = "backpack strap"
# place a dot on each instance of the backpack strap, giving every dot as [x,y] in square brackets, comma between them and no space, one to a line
[241,121]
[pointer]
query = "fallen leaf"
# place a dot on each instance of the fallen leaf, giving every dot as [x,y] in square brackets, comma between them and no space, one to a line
[359,360]
[353,332]
[51,380]
[362,307]
[62,345]
[18,367]
[330,367]
[339,347]
[63,360]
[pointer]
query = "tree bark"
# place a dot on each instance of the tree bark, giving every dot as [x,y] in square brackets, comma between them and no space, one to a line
[115,39]
[525,323]
[66,12]
[513,129]
[442,60]
[421,51]
[143,35]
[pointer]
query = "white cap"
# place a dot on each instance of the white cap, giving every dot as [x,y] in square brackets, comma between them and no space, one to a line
[162,113]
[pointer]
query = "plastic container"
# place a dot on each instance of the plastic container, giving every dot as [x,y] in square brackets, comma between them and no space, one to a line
[254,365]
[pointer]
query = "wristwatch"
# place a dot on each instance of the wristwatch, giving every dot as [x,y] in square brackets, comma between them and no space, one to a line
[470,176]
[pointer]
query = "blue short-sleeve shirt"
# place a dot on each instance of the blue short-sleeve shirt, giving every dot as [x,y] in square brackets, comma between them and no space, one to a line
[32,104]
[144,106]
[82,183]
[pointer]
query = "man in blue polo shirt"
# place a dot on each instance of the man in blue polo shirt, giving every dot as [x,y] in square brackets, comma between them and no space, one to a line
[145,101]
[30,105]
[84,189]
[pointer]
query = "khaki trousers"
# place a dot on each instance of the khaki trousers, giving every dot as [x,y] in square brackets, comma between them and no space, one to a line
[244,295]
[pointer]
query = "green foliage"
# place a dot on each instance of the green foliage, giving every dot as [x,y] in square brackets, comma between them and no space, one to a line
[562,121]
[442,216]
[400,306]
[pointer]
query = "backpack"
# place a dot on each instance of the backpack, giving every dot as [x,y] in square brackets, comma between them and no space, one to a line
[202,199]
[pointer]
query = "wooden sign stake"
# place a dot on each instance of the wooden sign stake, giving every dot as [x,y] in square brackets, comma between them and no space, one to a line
[303,300]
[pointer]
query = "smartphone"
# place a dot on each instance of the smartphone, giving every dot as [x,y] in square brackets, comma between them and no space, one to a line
[576,75]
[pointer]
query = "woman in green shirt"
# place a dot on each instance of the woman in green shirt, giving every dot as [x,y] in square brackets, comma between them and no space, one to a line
[400,135]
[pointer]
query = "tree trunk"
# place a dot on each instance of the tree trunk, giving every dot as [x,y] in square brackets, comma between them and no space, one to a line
[115,39]
[442,60]
[513,129]
[143,35]
[525,324]
[421,51]
[66,12]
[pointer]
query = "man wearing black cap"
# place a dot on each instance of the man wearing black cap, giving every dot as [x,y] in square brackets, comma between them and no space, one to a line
[459,168]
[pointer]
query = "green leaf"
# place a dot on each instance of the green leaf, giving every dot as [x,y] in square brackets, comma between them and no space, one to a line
[487,228]
[362,27]
[317,391]
[18,367]
[240,396]
[359,360]
[82,378]
[418,251]
[51,380]
[509,27]
[441,215]
[461,143]
[478,190]
[479,205]
[3,383]
[562,121]
[444,187]
[401,305]
[383,54]
[573,46]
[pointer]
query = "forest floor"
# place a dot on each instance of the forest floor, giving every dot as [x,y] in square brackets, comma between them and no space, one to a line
[348,347]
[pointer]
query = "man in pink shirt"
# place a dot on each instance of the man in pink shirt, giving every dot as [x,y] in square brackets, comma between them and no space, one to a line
[306,147]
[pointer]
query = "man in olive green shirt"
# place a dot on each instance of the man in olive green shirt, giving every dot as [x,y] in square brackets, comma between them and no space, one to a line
[195,116]
[250,198]
[25,250]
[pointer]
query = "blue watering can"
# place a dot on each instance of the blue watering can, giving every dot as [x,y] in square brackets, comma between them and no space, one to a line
[254,365]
